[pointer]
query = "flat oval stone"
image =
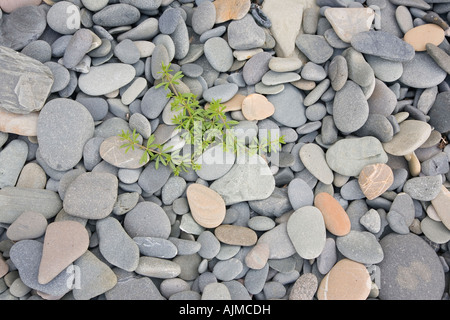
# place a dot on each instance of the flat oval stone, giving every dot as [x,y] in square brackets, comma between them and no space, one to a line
[116,15]
[257,257]
[350,108]
[204,17]
[256,107]
[410,270]
[249,179]
[313,157]
[207,206]
[306,230]
[218,53]
[424,188]
[16,200]
[360,246]
[215,162]
[421,35]
[64,126]
[29,225]
[315,47]
[436,231]
[300,193]
[349,156]
[383,44]
[413,133]
[236,235]
[64,242]
[224,92]
[91,195]
[151,179]
[438,116]
[112,76]
[111,152]
[76,49]
[422,72]
[289,108]
[336,219]
[347,280]
[12,160]
[147,219]
[157,268]
[375,179]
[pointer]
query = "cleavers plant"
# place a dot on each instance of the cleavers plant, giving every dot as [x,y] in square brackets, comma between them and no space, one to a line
[198,126]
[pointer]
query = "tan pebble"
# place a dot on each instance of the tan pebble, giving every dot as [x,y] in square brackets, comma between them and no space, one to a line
[236,235]
[347,280]
[207,206]
[413,164]
[336,219]
[374,179]
[442,204]
[303,84]
[11,5]
[419,36]
[242,55]
[257,257]
[432,214]
[21,124]
[231,9]
[257,107]
[234,104]
[32,176]
[64,242]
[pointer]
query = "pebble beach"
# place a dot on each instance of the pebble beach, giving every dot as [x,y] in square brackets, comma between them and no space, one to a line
[353,205]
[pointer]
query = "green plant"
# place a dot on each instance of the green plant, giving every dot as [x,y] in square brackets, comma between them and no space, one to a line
[199,127]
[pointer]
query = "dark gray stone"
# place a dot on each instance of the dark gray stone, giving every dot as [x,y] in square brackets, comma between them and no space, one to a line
[410,270]
[383,44]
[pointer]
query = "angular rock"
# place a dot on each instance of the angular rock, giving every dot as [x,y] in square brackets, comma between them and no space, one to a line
[64,242]
[349,21]
[244,34]
[231,9]
[20,94]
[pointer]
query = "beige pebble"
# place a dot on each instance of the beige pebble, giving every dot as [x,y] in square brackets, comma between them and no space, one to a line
[419,36]
[32,176]
[442,204]
[347,280]
[257,107]
[374,179]
[236,235]
[231,9]
[257,257]
[207,206]
[21,124]
[11,5]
